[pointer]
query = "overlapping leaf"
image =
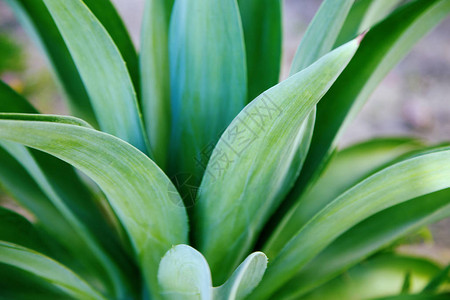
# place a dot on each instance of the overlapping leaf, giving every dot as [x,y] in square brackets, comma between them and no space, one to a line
[396,184]
[141,195]
[102,70]
[255,163]
[208,78]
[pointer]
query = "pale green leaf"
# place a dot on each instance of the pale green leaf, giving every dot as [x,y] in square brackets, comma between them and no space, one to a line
[208,78]
[377,277]
[401,182]
[255,163]
[362,159]
[184,274]
[102,70]
[155,77]
[47,269]
[246,277]
[142,197]
[381,49]
[261,21]
[374,233]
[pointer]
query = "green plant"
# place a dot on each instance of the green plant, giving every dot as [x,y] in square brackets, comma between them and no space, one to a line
[269,183]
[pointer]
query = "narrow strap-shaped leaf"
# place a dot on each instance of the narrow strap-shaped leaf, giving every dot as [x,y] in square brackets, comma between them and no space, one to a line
[15,229]
[36,19]
[366,238]
[321,33]
[246,277]
[141,195]
[65,191]
[255,163]
[363,15]
[362,159]
[107,15]
[18,284]
[208,78]
[155,77]
[437,281]
[47,269]
[261,21]
[102,70]
[381,49]
[382,275]
[184,274]
[10,101]
[401,182]
[441,296]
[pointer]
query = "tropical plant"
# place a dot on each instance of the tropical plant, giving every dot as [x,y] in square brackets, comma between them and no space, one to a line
[201,104]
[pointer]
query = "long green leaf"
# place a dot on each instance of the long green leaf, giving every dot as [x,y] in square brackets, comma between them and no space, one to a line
[68,194]
[401,182]
[255,163]
[381,49]
[47,269]
[36,19]
[261,21]
[184,274]
[367,237]
[102,70]
[377,277]
[155,77]
[15,229]
[18,284]
[208,78]
[363,160]
[363,15]
[141,195]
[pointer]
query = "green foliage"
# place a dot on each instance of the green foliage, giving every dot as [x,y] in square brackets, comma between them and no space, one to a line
[253,161]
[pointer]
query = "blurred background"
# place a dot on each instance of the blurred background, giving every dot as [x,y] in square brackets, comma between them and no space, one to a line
[413,100]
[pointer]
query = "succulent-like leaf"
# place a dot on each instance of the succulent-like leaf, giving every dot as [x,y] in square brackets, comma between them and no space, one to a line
[184,274]
[366,238]
[47,269]
[102,70]
[155,77]
[261,21]
[208,78]
[363,159]
[380,276]
[246,277]
[396,184]
[256,161]
[141,195]
[383,46]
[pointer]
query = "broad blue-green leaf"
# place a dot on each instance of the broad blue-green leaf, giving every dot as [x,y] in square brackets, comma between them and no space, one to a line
[381,49]
[363,15]
[102,70]
[48,270]
[261,21]
[155,77]
[401,182]
[377,277]
[362,159]
[246,277]
[141,195]
[208,78]
[368,237]
[184,274]
[255,163]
